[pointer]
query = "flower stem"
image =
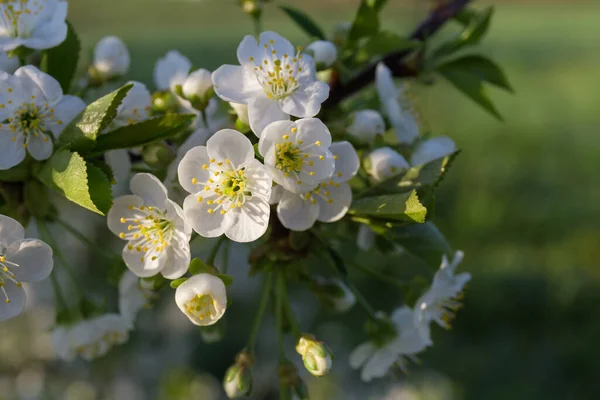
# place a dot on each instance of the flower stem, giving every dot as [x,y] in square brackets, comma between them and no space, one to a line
[213,253]
[71,229]
[279,317]
[361,299]
[257,25]
[60,299]
[288,309]
[262,306]
[205,118]
[225,257]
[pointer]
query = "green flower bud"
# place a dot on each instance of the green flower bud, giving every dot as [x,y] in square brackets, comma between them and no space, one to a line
[238,378]
[317,357]
[158,155]
[164,102]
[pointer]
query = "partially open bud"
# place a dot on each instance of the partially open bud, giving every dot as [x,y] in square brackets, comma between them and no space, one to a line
[366,124]
[111,59]
[238,378]
[198,88]
[202,298]
[317,357]
[324,53]
[383,163]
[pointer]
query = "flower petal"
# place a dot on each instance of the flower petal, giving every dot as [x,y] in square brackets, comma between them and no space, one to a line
[144,264]
[120,163]
[306,100]
[252,221]
[280,44]
[149,188]
[360,354]
[297,213]
[64,111]
[40,147]
[378,365]
[40,83]
[262,111]
[235,83]
[229,144]
[273,133]
[179,258]
[204,223]
[190,169]
[171,70]
[247,48]
[312,130]
[197,286]
[13,150]
[10,231]
[277,192]
[16,295]
[259,181]
[333,207]
[34,260]
[123,207]
[346,163]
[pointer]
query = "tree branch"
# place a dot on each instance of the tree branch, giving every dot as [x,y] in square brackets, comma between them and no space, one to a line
[395,61]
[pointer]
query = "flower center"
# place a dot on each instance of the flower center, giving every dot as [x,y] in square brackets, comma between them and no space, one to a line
[7,275]
[230,185]
[29,120]
[19,16]
[149,232]
[277,73]
[288,157]
[201,306]
[446,309]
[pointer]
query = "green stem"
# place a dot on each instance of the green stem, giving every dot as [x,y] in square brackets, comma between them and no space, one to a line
[381,276]
[213,254]
[262,306]
[204,118]
[60,299]
[288,309]
[93,247]
[361,300]
[279,317]
[225,258]
[257,25]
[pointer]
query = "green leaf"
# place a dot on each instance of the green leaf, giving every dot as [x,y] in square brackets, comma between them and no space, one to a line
[84,184]
[476,27]
[394,207]
[421,240]
[366,21]
[144,132]
[198,266]
[61,61]
[470,83]
[484,68]
[384,42]
[227,279]
[36,199]
[82,132]
[304,22]
[177,282]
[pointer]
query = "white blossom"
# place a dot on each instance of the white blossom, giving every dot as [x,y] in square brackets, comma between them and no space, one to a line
[111,58]
[241,110]
[171,70]
[440,302]
[202,298]
[229,188]
[366,125]
[273,79]
[402,120]
[132,296]
[197,84]
[296,153]
[328,202]
[36,24]
[324,53]
[384,162]
[432,149]
[8,64]
[90,338]
[35,109]
[377,357]
[21,260]
[156,232]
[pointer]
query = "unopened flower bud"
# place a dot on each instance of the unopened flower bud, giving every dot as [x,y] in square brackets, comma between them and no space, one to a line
[317,357]
[164,102]
[252,7]
[366,124]
[238,378]
[383,163]
[198,88]
[324,53]
[111,58]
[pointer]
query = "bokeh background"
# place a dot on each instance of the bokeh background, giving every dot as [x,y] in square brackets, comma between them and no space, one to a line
[522,200]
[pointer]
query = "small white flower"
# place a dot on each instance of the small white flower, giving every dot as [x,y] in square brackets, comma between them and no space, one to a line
[324,53]
[8,64]
[21,260]
[171,70]
[36,24]
[366,125]
[442,300]
[202,298]
[91,338]
[365,239]
[111,58]
[132,296]
[297,153]
[273,79]
[197,84]
[328,202]
[32,106]
[383,163]
[154,227]
[241,110]
[229,188]
[402,120]
[377,357]
[432,149]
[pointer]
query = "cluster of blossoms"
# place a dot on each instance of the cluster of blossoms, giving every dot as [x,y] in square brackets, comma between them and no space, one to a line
[274,167]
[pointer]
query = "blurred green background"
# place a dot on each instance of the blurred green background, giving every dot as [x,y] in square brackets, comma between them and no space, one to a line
[522,200]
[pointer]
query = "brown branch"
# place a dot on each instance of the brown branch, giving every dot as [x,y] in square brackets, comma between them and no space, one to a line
[396,61]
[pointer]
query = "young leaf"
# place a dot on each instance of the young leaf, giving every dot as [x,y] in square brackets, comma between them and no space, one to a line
[227,279]
[422,240]
[61,61]
[84,184]
[382,43]
[144,132]
[198,266]
[177,282]
[395,207]
[81,133]
[304,22]
[484,68]
[476,27]
[366,21]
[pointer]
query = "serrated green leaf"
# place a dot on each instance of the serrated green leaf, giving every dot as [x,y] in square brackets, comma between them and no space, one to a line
[144,132]
[84,184]
[84,129]
[177,282]
[470,84]
[384,42]
[476,27]
[484,68]
[394,207]
[61,61]
[304,22]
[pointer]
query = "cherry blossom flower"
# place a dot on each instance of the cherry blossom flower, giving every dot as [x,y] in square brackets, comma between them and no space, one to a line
[202,298]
